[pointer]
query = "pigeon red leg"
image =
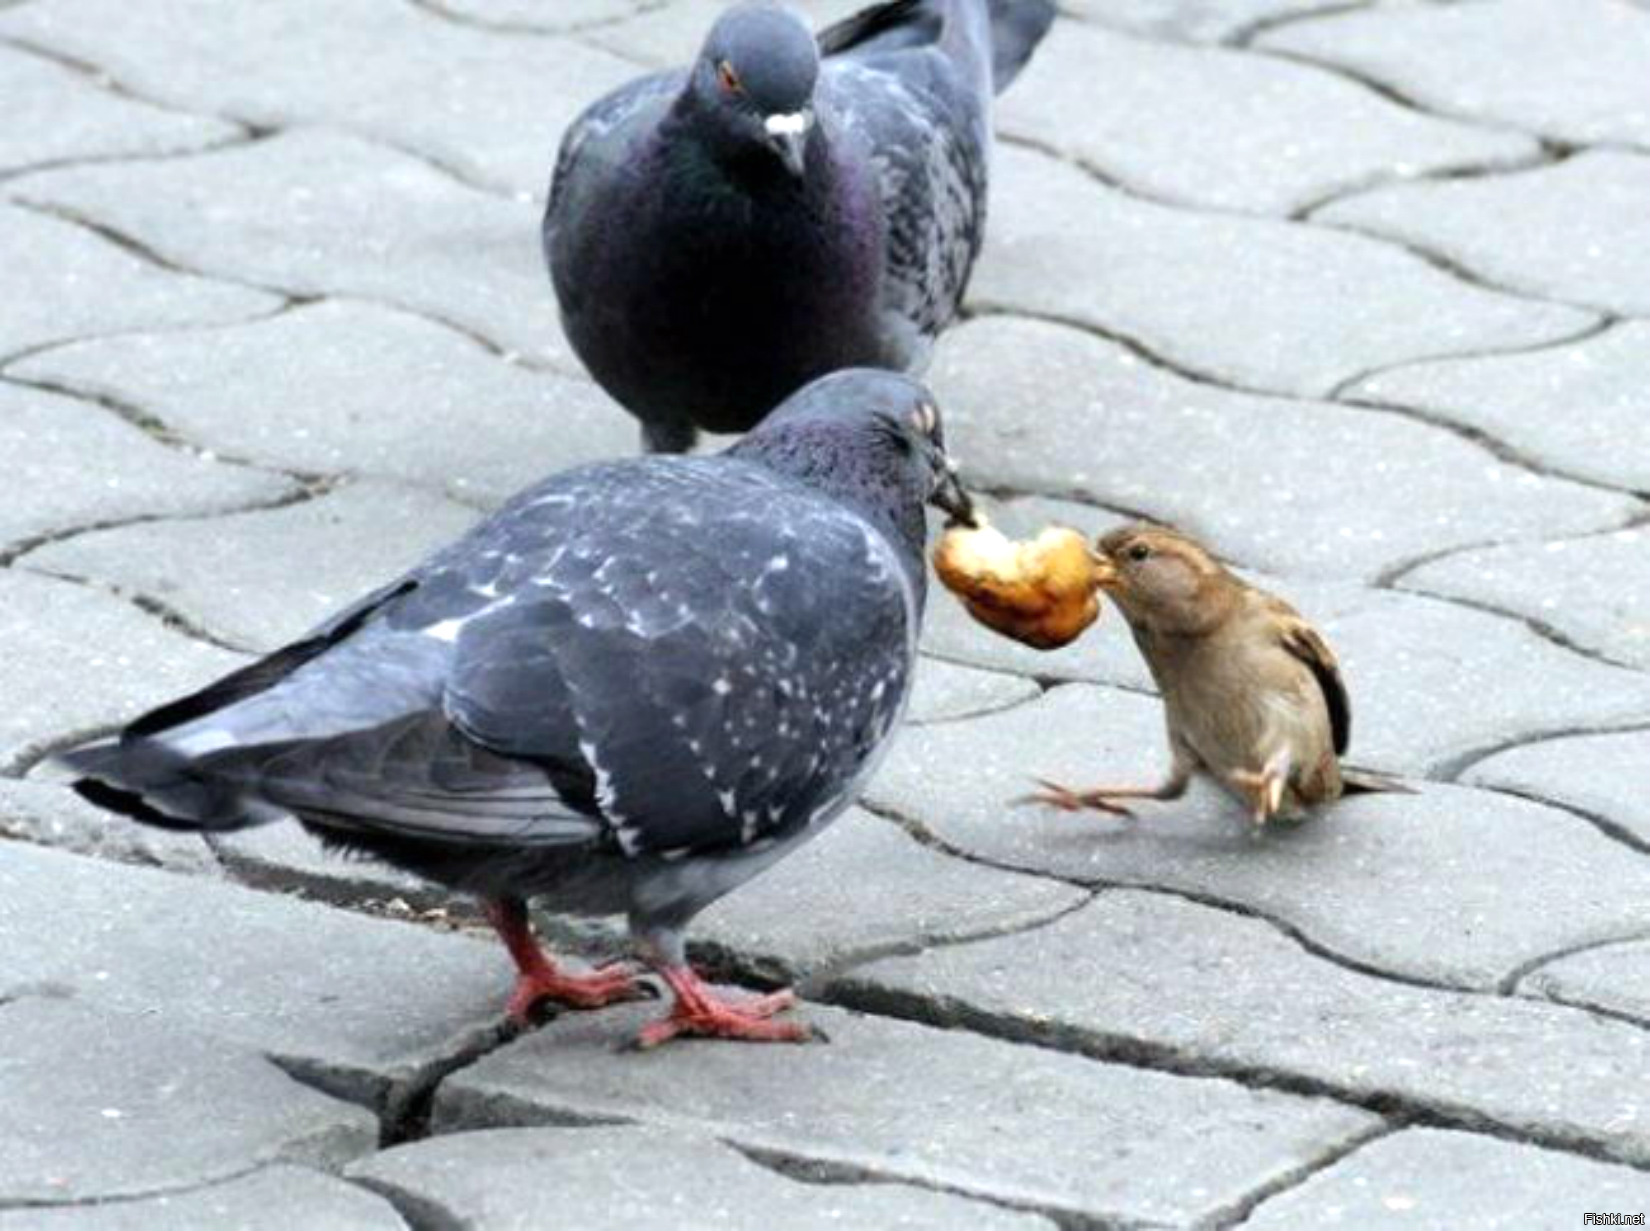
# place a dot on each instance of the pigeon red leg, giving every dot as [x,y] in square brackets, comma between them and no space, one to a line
[699,1011]
[538,979]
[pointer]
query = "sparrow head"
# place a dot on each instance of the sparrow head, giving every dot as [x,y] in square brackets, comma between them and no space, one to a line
[1164,581]
[755,79]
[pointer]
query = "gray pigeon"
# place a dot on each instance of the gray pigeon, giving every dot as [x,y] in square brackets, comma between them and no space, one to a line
[634,687]
[720,235]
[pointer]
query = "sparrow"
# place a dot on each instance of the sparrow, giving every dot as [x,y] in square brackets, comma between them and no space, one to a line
[1252,694]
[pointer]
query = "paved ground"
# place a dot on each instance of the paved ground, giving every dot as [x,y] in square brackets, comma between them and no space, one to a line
[1357,290]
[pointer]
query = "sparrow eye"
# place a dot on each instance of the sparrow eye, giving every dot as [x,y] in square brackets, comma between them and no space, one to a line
[1139,552]
[728,78]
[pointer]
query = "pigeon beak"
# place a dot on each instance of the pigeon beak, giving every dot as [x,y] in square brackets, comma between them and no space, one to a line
[788,138]
[949,496]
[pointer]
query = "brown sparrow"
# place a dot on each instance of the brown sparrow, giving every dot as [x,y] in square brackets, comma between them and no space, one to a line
[1252,693]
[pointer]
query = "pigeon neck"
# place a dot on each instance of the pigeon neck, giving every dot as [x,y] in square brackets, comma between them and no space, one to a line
[700,141]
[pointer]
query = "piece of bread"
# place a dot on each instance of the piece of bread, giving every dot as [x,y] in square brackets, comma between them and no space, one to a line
[1040,592]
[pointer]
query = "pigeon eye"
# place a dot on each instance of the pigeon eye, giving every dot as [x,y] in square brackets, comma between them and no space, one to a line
[728,78]
[1139,552]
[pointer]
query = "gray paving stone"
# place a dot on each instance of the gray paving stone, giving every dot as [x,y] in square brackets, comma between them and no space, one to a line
[1064,245]
[1227,130]
[940,1108]
[864,887]
[1249,474]
[1432,1178]
[54,114]
[277,1198]
[147,1106]
[318,213]
[379,392]
[52,815]
[945,692]
[287,858]
[536,14]
[1595,591]
[82,465]
[77,660]
[354,1004]
[1415,884]
[1602,775]
[1206,990]
[670,32]
[1574,70]
[488,104]
[235,576]
[80,285]
[1556,405]
[643,1179]
[1202,21]
[1572,232]
[1615,978]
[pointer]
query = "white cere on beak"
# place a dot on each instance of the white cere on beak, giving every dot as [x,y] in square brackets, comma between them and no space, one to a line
[791,124]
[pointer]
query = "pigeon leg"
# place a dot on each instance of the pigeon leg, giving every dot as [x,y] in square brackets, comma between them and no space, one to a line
[699,1011]
[1104,799]
[537,977]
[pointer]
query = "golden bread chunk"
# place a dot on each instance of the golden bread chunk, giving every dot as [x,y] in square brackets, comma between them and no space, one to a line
[1042,592]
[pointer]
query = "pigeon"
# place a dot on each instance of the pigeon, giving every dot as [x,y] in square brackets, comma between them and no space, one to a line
[1252,692]
[720,235]
[633,687]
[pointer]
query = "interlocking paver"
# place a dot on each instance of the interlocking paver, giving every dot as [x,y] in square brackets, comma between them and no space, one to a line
[944,691]
[1065,245]
[488,105]
[233,575]
[1573,231]
[52,444]
[52,815]
[354,1004]
[940,1108]
[1575,407]
[379,392]
[1573,70]
[536,15]
[80,284]
[1203,21]
[79,659]
[1210,990]
[1602,775]
[497,1180]
[670,33]
[277,1198]
[1414,884]
[1226,130]
[1614,977]
[1433,1178]
[1595,591]
[1249,474]
[318,213]
[147,1105]
[55,114]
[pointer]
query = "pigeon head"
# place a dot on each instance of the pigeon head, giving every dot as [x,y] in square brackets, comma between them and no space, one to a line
[872,439]
[1164,581]
[753,86]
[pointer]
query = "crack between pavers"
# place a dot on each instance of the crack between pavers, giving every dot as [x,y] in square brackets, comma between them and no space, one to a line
[288,304]
[1611,829]
[1537,627]
[1453,769]
[1543,156]
[1047,682]
[121,1199]
[25,760]
[1233,1216]
[420,1211]
[102,79]
[169,616]
[71,162]
[1517,975]
[1240,38]
[440,12]
[1002,707]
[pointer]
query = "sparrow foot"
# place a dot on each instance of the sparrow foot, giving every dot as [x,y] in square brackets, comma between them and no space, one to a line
[699,1012]
[1054,795]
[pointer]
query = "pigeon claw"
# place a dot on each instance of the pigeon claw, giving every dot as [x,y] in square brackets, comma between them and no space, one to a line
[536,991]
[1053,795]
[700,1013]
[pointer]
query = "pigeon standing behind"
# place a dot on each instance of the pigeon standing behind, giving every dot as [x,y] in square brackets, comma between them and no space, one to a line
[1252,693]
[631,689]
[721,235]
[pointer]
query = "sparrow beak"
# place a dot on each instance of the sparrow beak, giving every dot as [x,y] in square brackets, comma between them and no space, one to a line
[1102,570]
[949,496]
[788,138]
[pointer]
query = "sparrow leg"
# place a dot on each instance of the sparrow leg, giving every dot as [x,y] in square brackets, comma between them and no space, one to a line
[1264,787]
[537,977]
[1104,799]
[699,1011]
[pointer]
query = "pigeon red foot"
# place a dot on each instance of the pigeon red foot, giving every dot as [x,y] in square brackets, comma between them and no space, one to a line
[539,980]
[700,1012]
